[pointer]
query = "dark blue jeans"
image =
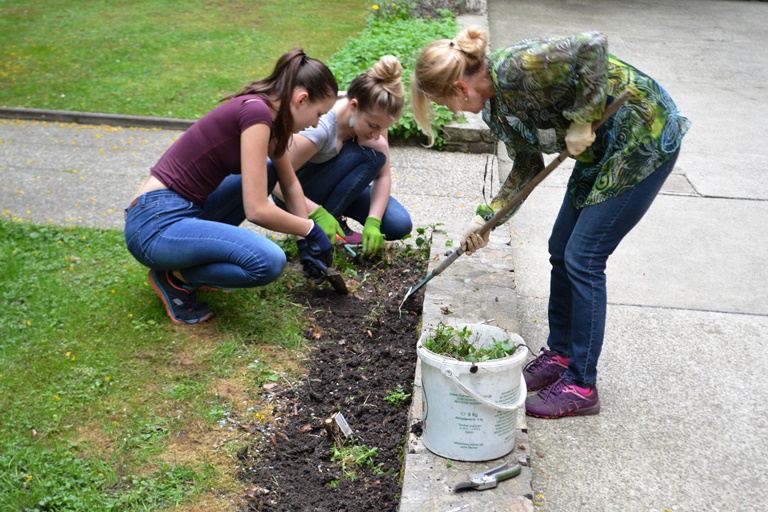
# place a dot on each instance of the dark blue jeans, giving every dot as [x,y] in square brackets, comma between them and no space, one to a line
[165,231]
[342,186]
[579,247]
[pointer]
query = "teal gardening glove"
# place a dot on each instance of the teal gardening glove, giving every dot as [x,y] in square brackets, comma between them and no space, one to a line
[327,222]
[373,239]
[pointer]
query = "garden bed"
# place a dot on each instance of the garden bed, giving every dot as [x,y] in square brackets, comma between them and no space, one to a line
[364,347]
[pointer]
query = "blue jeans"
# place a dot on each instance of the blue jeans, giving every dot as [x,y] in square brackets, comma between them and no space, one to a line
[579,247]
[165,231]
[342,186]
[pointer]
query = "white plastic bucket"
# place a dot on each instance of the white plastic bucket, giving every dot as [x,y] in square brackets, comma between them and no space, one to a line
[470,409]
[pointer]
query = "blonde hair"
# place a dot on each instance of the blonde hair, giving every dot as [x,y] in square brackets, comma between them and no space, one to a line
[380,87]
[440,65]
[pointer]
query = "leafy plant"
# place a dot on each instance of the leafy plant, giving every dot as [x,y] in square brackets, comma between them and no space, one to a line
[397,397]
[423,240]
[353,456]
[263,374]
[390,31]
[455,343]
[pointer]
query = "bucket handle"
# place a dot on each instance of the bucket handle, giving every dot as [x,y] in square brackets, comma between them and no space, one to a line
[499,407]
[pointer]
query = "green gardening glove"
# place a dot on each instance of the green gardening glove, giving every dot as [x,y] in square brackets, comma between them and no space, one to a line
[327,223]
[373,240]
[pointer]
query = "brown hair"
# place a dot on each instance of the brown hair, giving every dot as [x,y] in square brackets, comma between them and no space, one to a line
[380,87]
[441,64]
[293,69]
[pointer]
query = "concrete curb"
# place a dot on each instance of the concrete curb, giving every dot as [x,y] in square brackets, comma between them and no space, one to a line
[65,116]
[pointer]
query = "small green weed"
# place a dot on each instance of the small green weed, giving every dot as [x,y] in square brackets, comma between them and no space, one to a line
[397,397]
[353,456]
[263,374]
[423,241]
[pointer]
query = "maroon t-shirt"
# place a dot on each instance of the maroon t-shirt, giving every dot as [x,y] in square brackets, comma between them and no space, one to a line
[209,150]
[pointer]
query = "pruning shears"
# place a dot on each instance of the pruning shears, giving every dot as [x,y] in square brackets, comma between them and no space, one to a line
[489,479]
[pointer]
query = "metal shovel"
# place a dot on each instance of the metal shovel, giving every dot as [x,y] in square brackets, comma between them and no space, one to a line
[521,195]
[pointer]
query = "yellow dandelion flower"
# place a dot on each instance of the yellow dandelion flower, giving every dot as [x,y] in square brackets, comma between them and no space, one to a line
[29,324]
[375,7]
[56,397]
[29,478]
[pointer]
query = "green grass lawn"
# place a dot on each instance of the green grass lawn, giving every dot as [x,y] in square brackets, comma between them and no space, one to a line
[157,57]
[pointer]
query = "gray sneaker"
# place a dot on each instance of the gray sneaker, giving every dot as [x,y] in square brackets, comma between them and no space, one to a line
[544,370]
[180,304]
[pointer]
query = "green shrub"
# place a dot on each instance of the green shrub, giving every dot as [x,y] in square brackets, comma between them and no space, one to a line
[392,31]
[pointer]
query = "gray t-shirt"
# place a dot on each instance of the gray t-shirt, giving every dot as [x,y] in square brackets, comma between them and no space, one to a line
[324,136]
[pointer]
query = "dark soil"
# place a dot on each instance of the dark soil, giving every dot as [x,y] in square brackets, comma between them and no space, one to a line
[364,347]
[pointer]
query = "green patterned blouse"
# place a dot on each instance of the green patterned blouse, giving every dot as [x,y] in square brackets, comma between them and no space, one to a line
[544,85]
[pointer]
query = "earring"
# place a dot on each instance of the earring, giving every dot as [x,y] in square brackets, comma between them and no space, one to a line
[351,121]
[466,99]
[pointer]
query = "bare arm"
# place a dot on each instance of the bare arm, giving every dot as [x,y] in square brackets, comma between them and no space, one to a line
[254,142]
[382,183]
[300,150]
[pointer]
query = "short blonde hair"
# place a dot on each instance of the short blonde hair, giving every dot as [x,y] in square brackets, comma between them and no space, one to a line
[380,87]
[441,64]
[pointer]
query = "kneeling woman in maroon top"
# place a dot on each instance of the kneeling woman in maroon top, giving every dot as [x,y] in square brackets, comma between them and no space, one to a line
[183,221]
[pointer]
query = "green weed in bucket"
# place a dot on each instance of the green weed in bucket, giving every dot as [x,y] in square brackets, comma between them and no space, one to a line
[451,342]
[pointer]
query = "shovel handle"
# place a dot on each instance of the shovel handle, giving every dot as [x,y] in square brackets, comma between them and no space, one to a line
[539,177]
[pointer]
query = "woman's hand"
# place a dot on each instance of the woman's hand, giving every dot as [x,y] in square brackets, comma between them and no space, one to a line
[471,241]
[315,252]
[327,222]
[579,137]
[373,239]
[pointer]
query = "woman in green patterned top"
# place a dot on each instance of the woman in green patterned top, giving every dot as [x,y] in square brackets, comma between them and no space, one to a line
[542,96]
